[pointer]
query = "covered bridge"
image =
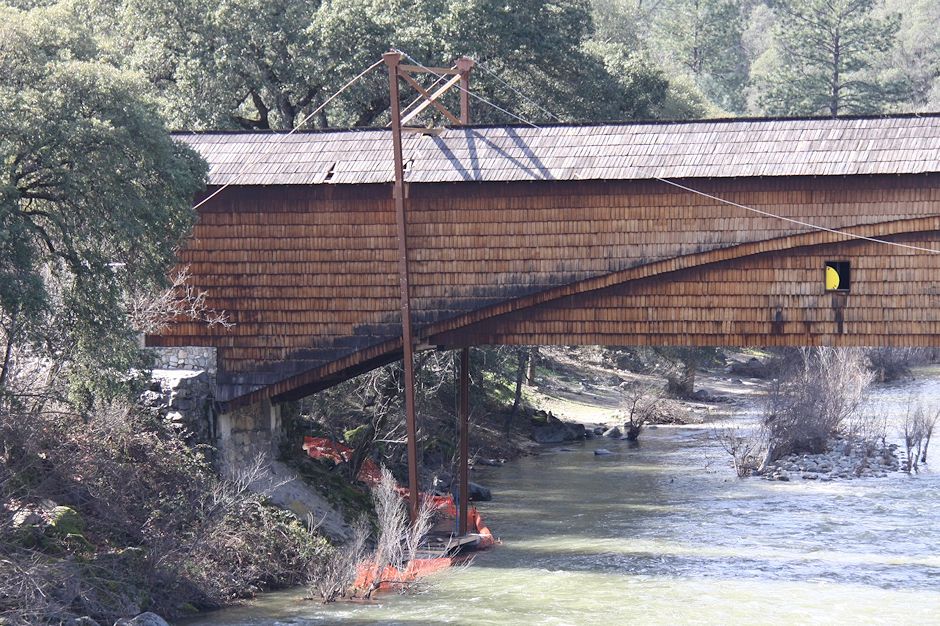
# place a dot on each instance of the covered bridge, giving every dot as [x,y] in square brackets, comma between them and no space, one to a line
[694,233]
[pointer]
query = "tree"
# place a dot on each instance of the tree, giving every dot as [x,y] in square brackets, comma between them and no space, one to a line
[253,64]
[651,93]
[916,55]
[542,49]
[626,22]
[95,196]
[823,57]
[267,64]
[705,38]
[692,48]
[686,360]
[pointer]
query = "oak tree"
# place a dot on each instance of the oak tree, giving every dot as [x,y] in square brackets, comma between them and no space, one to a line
[95,196]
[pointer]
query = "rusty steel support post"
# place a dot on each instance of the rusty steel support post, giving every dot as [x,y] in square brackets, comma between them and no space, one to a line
[464,65]
[463,418]
[392,60]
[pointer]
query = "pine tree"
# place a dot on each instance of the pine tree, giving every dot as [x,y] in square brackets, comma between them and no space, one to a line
[824,54]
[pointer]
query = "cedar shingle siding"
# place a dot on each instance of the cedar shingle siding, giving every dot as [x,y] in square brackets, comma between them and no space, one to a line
[599,253]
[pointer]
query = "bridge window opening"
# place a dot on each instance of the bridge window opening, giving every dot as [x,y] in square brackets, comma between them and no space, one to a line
[838,276]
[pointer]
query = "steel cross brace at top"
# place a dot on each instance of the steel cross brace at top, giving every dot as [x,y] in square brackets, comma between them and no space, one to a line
[459,75]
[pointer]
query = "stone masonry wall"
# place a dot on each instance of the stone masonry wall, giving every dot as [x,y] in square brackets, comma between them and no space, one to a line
[184,399]
[248,432]
[188,358]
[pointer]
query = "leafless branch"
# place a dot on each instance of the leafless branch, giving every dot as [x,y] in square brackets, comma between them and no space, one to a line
[152,313]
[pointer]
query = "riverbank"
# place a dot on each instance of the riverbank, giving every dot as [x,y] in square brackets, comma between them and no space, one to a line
[586,386]
[114,513]
[663,532]
[591,393]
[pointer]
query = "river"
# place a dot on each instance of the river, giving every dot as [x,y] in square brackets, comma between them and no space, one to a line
[665,533]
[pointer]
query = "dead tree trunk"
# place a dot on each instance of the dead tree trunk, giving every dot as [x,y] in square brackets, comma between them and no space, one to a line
[523,357]
[530,369]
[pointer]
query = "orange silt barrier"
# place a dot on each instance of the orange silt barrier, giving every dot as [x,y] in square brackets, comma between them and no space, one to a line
[370,474]
[323,448]
[392,578]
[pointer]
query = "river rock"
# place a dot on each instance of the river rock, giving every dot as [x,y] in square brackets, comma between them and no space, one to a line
[539,416]
[602,452]
[27,517]
[557,431]
[144,619]
[65,521]
[490,462]
[752,368]
[845,458]
[151,398]
[479,493]
[613,433]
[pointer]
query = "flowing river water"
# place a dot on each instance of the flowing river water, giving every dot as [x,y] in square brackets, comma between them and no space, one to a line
[664,533]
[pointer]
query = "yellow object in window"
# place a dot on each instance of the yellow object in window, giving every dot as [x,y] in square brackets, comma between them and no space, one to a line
[832,278]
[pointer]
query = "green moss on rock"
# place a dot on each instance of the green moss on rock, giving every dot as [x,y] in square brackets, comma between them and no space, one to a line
[354,435]
[65,521]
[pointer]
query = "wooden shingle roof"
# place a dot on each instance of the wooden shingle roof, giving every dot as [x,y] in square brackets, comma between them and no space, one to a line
[703,149]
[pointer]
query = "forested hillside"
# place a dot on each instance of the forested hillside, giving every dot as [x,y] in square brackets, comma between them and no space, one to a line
[265,64]
[787,57]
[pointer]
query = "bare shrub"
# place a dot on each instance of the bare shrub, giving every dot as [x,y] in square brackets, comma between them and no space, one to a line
[640,405]
[930,424]
[743,446]
[916,429]
[351,570]
[151,313]
[868,426]
[368,413]
[161,529]
[333,576]
[890,364]
[814,400]
[398,538]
